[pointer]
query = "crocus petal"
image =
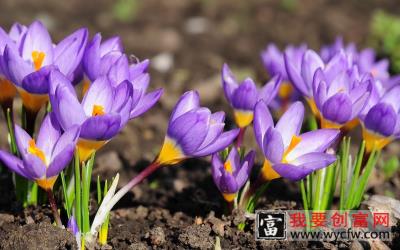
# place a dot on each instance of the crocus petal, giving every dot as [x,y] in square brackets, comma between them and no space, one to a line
[190,129]
[119,71]
[147,102]
[14,164]
[336,65]
[360,103]
[269,91]
[49,134]
[137,69]
[223,141]
[61,161]
[294,76]
[111,44]
[65,104]
[229,82]
[69,137]
[17,68]
[315,160]
[141,82]
[37,82]
[313,141]
[227,183]
[273,147]
[245,96]
[262,121]
[216,166]
[381,119]
[16,32]
[91,58]
[102,127]
[188,101]
[34,166]
[69,52]
[215,129]
[121,95]
[291,172]
[22,139]
[290,123]
[234,160]
[310,63]
[392,98]
[37,38]
[338,108]
[321,94]
[243,174]
[100,93]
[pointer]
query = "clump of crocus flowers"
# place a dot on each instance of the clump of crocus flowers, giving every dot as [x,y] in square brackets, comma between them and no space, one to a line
[342,87]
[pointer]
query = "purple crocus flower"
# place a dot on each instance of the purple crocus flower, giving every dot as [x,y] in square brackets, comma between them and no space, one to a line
[7,89]
[288,153]
[231,174]
[329,51]
[274,63]
[193,131]
[44,159]
[29,66]
[381,124]
[107,59]
[302,77]
[103,112]
[100,56]
[340,94]
[74,229]
[137,76]
[367,63]
[244,96]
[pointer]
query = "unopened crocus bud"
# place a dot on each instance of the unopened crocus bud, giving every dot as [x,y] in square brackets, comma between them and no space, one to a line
[231,174]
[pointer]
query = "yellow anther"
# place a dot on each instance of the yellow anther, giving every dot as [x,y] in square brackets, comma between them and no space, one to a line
[285,90]
[98,110]
[228,167]
[38,58]
[32,149]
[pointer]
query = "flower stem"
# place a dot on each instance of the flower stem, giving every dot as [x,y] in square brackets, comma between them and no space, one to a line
[53,206]
[239,139]
[305,203]
[135,181]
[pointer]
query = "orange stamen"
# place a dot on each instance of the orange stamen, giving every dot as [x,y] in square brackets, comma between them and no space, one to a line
[98,110]
[38,58]
[33,149]
[293,143]
[228,167]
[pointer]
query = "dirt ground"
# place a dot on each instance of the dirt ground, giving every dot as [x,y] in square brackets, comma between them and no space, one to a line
[187,42]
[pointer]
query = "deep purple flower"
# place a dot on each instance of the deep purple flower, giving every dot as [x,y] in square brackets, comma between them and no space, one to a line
[365,60]
[103,112]
[329,51]
[367,63]
[274,63]
[231,174]
[29,66]
[44,159]
[244,96]
[7,89]
[107,60]
[340,94]
[193,131]
[288,153]
[381,124]
[100,56]
[74,229]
